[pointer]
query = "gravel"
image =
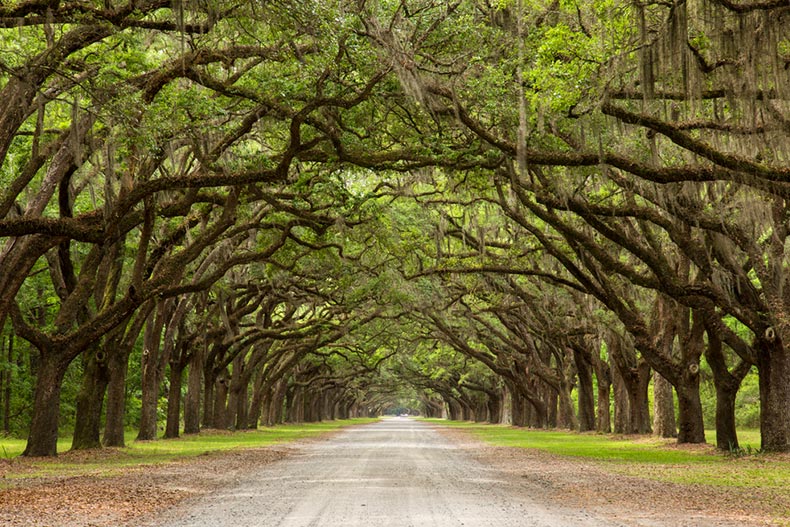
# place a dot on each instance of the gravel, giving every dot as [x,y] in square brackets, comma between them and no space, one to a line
[397,472]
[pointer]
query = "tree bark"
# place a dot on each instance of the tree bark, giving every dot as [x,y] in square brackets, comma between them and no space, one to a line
[276,413]
[584,369]
[220,402]
[192,400]
[43,437]
[622,413]
[773,365]
[690,423]
[6,387]
[90,400]
[727,385]
[117,366]
[638,402]
[664,424]
[691,428]
[604,377]
[494,404]
[173,423]
[260,399]
[566,416]
[150,381]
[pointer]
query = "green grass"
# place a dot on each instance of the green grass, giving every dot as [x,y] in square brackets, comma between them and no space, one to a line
[645,456]
[111,460]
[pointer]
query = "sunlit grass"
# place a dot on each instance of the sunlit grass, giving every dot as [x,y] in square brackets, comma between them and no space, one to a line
[648,457]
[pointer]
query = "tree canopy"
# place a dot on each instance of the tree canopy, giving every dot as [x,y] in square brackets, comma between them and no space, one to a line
[544,211]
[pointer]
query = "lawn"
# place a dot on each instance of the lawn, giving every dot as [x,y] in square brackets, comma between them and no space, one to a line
[111,460]
[648,457]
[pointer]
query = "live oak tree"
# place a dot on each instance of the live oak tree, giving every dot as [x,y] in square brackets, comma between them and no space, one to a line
[575,105]
[278,200]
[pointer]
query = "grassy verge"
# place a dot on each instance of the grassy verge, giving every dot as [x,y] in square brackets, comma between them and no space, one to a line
[111,461]
[647,457]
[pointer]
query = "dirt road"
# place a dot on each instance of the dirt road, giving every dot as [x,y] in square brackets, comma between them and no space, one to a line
[397,472]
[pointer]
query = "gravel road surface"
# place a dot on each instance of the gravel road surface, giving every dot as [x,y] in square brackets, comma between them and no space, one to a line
[396,472]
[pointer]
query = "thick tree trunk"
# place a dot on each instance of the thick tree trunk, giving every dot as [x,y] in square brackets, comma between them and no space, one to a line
[259,401]
[726,432]
[295,411]
[494,404]
[638,402]
[467,413]
[453,409]
[727,385]
[173,423]
[551,399]
[604,377]
[117,348]
[220,403]
[276,412]
[209,385]
[235,396]
[566,417]
[242,404]
[90,400]
[192,400]
[43,437]
[622,413]
[586,391]
[117,366]
[691,428]
[632,378]
[518,408]
[149,385]
[664,424]
[773,364]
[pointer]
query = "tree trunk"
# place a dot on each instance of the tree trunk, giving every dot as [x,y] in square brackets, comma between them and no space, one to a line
[638,404]
[494,404]
[631,383]
[43,437]
[259,401]
[773,364]
[551,398]
[453,409]
[209,385]
[150,374]
[622,413]
[726,433]
[192,400]
[90,400]
[691,428]
[117,366]
[242,404]
[235,392]
[117,348]
[7,387]
[586,392]
[604,377]
[173,423]
[727,385]
[276,414]
[664,424]
[566,417]
[220,403]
